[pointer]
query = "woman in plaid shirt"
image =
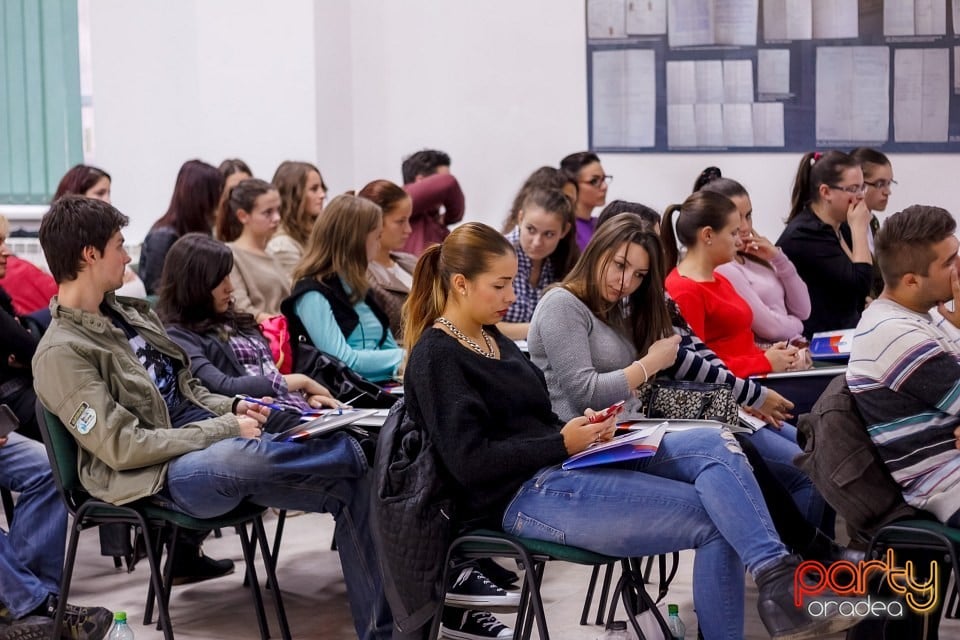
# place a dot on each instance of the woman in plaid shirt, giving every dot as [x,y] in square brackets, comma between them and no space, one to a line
[546,251]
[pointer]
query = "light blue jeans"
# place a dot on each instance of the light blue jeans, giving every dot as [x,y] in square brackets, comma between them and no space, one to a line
[327,475]
[31,553]
[779,448]
[697,492]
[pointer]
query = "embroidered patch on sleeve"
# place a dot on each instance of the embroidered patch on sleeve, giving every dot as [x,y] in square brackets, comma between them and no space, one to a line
[84,419]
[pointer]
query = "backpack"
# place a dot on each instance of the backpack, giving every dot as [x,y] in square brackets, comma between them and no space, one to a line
[844,465]
[277,333]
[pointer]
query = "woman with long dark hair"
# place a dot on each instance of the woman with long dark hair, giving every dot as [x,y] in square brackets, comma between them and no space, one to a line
[227,352]
[192,208]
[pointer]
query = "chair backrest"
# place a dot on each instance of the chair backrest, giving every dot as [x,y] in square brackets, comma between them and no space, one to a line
[62,450]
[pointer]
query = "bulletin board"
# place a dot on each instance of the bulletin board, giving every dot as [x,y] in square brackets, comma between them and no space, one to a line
[773,75]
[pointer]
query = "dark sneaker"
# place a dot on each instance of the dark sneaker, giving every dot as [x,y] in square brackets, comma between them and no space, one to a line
[191,565]
[468,624]
[473,589]
[27,628]
[79,623]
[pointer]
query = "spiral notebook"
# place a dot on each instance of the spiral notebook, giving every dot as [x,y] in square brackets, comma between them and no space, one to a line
[638,443]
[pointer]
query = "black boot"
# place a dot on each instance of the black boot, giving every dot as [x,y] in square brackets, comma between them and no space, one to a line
[782,618]
[825,550]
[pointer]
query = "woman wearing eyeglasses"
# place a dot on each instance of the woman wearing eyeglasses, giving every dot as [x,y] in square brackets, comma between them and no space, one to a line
[592,182]
[827,239]
[878,179]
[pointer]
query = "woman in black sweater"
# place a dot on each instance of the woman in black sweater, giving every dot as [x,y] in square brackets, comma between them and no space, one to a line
[487,411]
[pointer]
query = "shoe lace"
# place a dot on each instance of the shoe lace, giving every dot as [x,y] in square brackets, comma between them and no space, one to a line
[486,581]
[487,620]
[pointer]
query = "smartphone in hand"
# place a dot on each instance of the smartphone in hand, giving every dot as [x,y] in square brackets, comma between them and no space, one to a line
[8,421]
[612,410]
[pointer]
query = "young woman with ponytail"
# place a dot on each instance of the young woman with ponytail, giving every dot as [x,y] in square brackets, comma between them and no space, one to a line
[760,272]
[708,226]
[827,239]
[487,411]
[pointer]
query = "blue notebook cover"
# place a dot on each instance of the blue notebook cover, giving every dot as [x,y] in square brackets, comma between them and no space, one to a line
[640,443]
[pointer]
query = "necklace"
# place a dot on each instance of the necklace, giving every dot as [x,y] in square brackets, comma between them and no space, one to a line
[460,335]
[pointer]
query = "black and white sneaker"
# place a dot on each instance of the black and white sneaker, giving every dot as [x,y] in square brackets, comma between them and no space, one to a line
[469,624]
[473,589]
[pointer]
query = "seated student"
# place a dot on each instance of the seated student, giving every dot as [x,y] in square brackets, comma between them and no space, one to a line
[302,194]
[592,184]
[542,178]
[904,369]
[827,239]
[146,427]
[601,334]
[234,171]
[878,181]
[437,198]
[391,270]
[487,411]
[17,346]
[695,360]
[227,352]
[546,250]
[84,180]
[760,272]
[192,208]
[332,299]
[31,552]
[708,227]
[252,215]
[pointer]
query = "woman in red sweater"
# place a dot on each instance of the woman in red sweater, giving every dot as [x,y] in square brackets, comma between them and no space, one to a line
[708,226]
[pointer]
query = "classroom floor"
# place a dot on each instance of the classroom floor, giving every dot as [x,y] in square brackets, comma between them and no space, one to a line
[314,595]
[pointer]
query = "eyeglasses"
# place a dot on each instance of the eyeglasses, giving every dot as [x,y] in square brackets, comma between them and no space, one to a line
[880,185]
[596,181]
[854,189]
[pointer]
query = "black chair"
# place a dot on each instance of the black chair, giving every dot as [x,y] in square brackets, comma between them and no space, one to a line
[149,519]
[532,556]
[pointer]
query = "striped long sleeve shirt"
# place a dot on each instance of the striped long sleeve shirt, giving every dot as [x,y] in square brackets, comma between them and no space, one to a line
[904,372]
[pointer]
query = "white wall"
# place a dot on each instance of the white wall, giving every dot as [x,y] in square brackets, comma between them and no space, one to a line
[355,86]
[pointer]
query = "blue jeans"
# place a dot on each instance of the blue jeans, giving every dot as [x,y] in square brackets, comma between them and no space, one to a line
[779,449]
[327,475]
[31,553]
[697,492]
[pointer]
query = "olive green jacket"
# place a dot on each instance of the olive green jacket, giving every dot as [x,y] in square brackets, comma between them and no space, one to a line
[86,372]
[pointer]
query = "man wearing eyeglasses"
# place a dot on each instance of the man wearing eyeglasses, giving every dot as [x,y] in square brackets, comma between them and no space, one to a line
[584,167]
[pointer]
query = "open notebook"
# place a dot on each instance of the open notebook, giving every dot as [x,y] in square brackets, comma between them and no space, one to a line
[325,423]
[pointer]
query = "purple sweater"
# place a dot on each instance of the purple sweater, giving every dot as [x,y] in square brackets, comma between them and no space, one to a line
[778,296]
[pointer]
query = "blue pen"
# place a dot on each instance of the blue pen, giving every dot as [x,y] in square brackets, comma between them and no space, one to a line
[270,405]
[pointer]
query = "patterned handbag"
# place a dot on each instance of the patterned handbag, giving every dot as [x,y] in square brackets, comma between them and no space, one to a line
[684,400]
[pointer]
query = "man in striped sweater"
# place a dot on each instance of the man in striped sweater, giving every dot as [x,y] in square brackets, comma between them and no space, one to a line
[904,366]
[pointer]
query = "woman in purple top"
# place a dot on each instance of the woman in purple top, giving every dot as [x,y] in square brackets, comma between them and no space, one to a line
[592,182]
[761,273]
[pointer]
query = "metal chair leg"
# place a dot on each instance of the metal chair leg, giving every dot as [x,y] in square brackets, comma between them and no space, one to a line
[270,566]
[588,599]
[248,558]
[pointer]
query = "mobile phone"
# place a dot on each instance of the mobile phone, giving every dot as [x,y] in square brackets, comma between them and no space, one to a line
[8,420]
[612,410]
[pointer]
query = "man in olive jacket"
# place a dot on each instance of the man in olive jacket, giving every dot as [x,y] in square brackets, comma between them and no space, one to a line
[147,428]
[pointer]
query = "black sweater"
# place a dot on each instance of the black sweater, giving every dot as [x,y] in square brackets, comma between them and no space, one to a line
[837,286]
[490,420]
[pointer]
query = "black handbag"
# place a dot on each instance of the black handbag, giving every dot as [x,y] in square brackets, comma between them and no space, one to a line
[345,384]
[684,400]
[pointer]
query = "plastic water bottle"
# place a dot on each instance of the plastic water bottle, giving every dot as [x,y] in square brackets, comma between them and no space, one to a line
[120,630]
[616,630]
[674,623]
